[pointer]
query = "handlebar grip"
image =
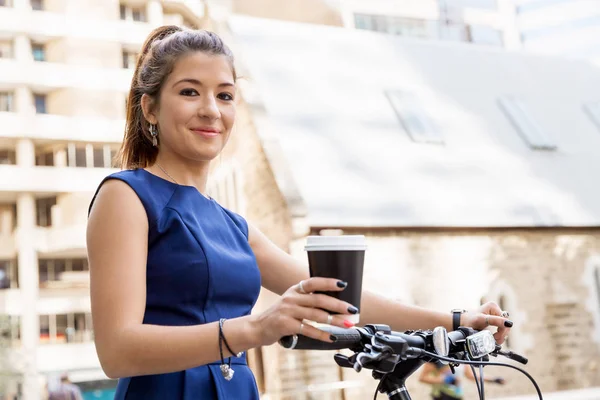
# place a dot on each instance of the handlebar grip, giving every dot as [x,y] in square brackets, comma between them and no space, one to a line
[345,338]
[518,358]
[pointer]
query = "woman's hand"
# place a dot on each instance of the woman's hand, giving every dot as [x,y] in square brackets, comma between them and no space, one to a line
[489,314]
[299,303]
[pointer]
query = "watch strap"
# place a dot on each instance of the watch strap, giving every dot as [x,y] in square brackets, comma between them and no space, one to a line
[456,318]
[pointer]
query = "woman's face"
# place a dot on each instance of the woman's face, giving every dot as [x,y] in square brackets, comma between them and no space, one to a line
[196,109]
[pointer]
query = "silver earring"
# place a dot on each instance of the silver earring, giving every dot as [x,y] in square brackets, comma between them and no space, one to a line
[154,135]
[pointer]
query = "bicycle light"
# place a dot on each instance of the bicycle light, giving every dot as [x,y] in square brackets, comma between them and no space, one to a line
[481,344]
[441,343]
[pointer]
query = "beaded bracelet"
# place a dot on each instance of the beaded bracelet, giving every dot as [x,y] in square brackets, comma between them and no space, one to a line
[221,322]
[226,369]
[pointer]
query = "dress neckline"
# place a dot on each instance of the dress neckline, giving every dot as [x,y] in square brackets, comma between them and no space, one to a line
[209,198]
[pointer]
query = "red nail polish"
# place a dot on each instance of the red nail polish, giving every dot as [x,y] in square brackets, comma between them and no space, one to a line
[348,324]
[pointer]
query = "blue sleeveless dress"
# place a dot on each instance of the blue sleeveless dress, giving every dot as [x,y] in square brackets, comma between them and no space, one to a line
[200,268]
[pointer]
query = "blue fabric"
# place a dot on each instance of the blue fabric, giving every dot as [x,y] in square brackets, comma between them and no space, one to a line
[200,268]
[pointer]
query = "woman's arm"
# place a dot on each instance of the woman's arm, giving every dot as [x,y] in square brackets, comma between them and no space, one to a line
[117,240]
[117,249]
[279,270]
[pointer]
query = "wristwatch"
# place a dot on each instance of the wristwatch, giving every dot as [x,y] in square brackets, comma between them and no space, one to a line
[456,312]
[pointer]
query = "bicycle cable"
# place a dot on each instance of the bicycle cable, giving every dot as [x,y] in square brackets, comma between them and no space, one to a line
[481,380]
[482,363]
[475,375]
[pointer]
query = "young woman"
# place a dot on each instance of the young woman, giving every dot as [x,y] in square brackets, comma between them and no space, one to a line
[174,275]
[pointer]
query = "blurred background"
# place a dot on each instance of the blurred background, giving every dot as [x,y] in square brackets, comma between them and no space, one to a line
[462,137]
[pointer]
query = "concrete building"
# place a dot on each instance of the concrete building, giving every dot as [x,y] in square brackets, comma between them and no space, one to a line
[487,22]
[484,22]
[469,168]
[565,27]
[65,69]
[557,27]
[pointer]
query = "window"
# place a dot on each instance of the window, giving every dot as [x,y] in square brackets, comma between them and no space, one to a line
[10,329]
[129,59]
[51,270]
[413,117]
[128,13]
[37,5]
[412,27]
[46,269]
[527,127]
[44,328]
[76,155]
[99,157]
[6,101]
[44,158]
[40,103]
[485,35]
[6,3]
[8,157]
[137,14]
[8,274]
[454,32]
[44,211]
[82,155]
[39,52]
[62,324]
[532,5]
[79,265]
[8,218]
[66,328]
[6,49]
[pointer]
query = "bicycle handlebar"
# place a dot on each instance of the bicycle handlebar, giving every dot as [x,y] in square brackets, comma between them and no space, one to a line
[394,356]
[346,338]
[356,337]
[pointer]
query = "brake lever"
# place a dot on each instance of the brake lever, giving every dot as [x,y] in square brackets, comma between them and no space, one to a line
[514,356]
[367,357]
[509,354]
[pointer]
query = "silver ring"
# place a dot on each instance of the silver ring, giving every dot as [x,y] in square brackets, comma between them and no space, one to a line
[329,319]
[487,321]
[505,314]
[301,327]
[301,288]
[294,342]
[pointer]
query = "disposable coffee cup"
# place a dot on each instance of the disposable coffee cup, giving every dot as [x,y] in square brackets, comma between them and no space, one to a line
[339,257]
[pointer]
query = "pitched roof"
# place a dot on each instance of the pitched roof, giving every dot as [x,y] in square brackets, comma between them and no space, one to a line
[322,90]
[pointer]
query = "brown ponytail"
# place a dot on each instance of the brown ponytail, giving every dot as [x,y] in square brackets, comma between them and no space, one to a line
[163,47]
